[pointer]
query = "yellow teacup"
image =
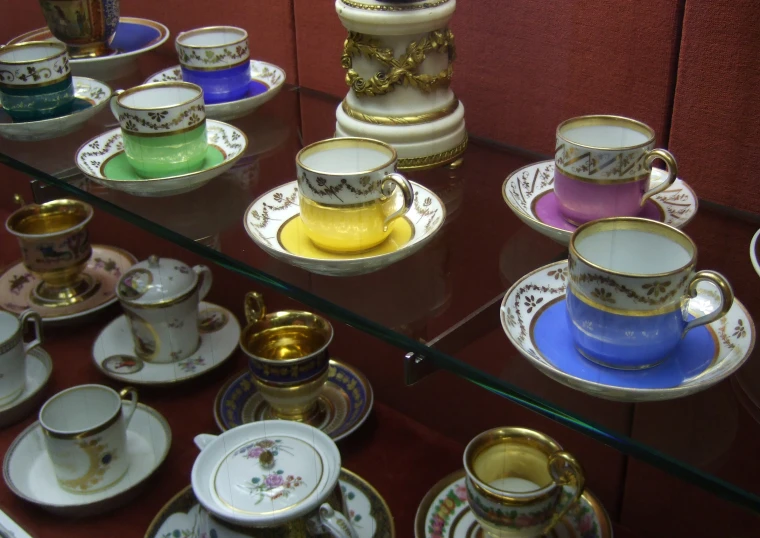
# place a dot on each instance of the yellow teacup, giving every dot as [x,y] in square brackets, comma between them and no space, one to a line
[348,196]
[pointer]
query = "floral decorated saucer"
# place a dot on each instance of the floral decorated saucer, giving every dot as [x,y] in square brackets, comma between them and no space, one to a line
[113,350]
[369,515]
[344,403]
[102,159]
[273,222]
[106,266]
[529,193]
[266,81]
[754,252]
[90,96]
[29,474]
[39,366]
[444,513]
[133,37]
[533,315]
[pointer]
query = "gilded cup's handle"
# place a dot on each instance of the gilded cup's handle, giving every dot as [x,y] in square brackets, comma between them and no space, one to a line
[114,96]
[36,322]
[726,298]
[206,278]
[129,413]
[389,182]
[670,164]
[254,307]
[335,522]
[566,471]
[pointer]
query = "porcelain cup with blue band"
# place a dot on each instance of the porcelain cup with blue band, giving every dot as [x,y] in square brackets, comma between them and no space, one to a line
[35,81]
[217,59]
[631,281]
[163,127]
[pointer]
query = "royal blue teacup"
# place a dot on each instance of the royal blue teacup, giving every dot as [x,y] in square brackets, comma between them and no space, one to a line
[216,58]
[631,281]
[35,80]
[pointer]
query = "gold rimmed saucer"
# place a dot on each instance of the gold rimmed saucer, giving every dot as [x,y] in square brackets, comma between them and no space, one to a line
[106,265]
[344,403]
[273,222]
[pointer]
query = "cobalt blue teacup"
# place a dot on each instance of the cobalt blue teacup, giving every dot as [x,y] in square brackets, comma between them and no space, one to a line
[631,281]
[216,58]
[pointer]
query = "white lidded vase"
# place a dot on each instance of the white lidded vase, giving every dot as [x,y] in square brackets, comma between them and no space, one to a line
[271,478]
[160,297]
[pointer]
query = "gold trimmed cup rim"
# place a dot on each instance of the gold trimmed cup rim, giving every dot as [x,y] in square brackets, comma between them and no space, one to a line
[639,224]
[62,50]
[348,141]
[209,29]
[64,205]
[285,318]
[606,119]
[82,432]
[496,436]
[154,85]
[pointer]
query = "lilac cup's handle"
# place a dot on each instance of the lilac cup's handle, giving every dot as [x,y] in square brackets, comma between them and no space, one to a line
[670,164]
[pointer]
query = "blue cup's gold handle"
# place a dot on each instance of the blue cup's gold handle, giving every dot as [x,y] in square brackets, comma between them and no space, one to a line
[566,471]
[726,298]
[389,183]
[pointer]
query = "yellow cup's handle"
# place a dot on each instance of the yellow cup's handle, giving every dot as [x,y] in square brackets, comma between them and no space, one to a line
[565,471]
[670,164]
[726,298]
[389,182]
[254,307]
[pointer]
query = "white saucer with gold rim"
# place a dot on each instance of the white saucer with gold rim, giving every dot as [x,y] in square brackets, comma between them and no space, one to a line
[529,193]
[29,474]
[273,222]
[39,366]
[102,159]
[113,350]
[266,81]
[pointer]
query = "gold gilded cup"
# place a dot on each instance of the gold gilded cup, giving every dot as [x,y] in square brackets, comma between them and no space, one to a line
[516,482]
[288,358]
[55,247]
[86,26]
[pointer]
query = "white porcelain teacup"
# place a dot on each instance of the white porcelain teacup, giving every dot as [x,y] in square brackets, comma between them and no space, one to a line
[85,429]
[13,352]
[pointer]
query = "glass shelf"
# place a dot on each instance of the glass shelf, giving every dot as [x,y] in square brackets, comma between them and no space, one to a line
[481,251]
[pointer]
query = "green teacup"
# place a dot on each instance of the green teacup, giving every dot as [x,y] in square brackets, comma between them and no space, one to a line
[163,126]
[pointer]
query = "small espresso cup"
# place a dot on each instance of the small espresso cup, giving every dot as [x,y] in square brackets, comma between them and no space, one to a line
[630,283]
[55,247]
[13,352]
[217,59]
[86,26]
[603,165]
[163,126]
[516,482]
[288,357]
[350,194]
[85,430]
[35,80]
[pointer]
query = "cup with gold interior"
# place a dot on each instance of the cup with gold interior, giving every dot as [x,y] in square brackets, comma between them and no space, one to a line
[520,483]
[55,247]
[86,26]
[350,194]
[288,357]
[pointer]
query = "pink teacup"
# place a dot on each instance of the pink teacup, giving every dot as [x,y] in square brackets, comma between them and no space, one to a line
[602,167]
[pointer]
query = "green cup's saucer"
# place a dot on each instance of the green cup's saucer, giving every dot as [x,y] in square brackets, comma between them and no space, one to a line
[102,160]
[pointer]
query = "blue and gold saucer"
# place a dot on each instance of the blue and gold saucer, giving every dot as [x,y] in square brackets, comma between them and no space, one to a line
[266,81]
[133,37]
[344,403]
[533,314]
